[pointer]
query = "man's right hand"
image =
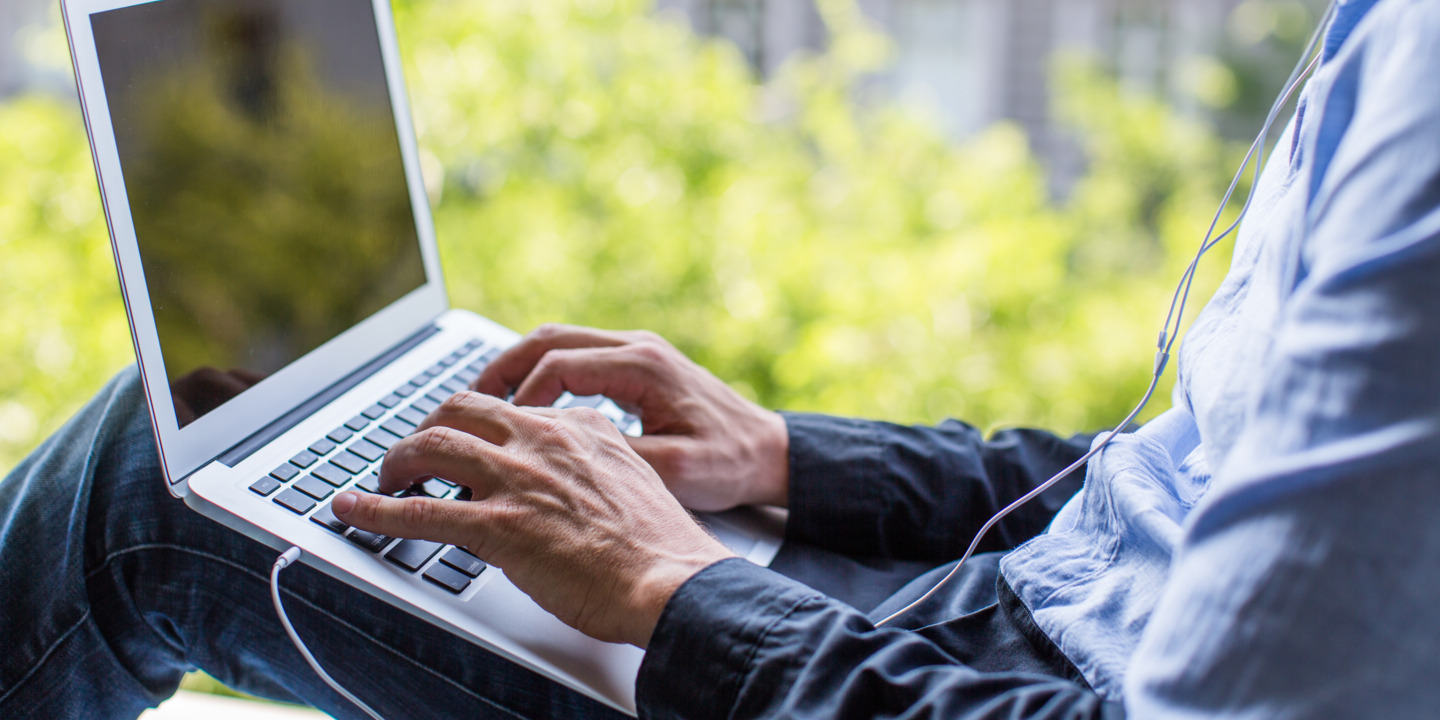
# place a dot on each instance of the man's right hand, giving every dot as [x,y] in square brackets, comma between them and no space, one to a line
[714,449]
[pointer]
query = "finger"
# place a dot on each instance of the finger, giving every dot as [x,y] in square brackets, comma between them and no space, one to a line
[485,417]
[441,452]
[623,374]
[508,370]
[666,454]
[445,521]
[584,417]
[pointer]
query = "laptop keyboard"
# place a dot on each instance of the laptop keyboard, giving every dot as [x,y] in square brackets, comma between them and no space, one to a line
[349,458]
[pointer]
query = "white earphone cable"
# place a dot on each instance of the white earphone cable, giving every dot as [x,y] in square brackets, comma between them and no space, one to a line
[282,562]
[1176,312]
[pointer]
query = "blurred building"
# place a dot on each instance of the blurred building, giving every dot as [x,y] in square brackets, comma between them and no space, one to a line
[970,63]
[16,72]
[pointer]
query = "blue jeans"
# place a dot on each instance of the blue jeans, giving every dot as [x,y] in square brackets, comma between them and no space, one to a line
[111,590]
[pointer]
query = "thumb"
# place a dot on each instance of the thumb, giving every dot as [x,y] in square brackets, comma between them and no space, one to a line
[446,521]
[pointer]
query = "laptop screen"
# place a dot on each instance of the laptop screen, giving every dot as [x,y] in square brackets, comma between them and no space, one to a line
[263,169]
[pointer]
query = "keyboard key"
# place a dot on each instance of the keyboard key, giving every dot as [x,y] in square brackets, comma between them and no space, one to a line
[407,389]
[391,400]
[436,370]
[469,347]
[467,376]
[399,427]
[451,359]
[357,423]
[304,459]
[463,561]
[370,483]
[453,385]
[438,395]
[314,488]
[284,473]
[322,446]
[374,411]
[326,519]
[265,485]
[411,415]
[341,434]
[434,488]
[419,381]
[368,540]
[350,462]
[447,578]
[425,405]
[382,438]
[295,501]
[478,366]
[367,450]
[411,554]
[331,474]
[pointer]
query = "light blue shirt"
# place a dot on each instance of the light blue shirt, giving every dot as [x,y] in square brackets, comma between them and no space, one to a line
[1270,547]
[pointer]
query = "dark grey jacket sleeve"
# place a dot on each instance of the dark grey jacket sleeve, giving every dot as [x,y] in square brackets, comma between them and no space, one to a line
[739,641]
[874,489]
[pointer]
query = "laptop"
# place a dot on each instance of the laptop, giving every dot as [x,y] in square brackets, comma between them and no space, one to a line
[271,228]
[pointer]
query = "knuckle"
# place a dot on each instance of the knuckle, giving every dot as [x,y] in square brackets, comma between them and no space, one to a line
[415,512]
[460,403]
[437,440]
[649,353]
[587,417]
[549,364]
[547,332]
[651,337]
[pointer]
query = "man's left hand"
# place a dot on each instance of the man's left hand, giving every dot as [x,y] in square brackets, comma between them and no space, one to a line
[575,518]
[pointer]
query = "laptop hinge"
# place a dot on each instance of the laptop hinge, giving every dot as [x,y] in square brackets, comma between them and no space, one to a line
[262,437]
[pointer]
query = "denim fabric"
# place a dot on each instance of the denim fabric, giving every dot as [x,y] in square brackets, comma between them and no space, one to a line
[110,590]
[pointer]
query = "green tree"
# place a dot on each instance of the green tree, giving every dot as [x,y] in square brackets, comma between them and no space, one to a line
[594,164]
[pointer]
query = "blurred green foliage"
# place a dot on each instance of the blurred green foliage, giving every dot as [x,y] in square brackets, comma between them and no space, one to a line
[594,164]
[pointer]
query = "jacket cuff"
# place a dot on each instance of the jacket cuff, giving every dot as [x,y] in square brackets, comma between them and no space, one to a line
[708,636]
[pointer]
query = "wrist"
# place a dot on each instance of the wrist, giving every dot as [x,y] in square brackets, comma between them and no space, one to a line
[773,469]
[659,583]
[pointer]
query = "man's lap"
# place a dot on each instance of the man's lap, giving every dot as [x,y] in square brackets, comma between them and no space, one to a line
[110,590]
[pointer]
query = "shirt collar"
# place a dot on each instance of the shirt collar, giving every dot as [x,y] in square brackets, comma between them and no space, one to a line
[1347,15]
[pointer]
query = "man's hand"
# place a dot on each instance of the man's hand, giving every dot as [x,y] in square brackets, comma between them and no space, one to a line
[561,503]
[714,449]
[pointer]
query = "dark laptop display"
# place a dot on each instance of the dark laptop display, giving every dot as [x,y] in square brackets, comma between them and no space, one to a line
[264,173]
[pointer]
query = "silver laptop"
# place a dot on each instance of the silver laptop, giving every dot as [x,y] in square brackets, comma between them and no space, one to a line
[270,223]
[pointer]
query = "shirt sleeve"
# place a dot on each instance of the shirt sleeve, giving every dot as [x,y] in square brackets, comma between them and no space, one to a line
[875,489]
[739,641]
[1307,581]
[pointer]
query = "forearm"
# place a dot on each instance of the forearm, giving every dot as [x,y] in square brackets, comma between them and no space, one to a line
[873,489]
[738,641]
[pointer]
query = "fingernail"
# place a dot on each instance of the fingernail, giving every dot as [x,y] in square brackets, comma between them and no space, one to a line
[344,503]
